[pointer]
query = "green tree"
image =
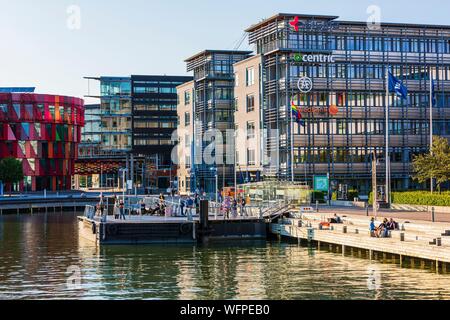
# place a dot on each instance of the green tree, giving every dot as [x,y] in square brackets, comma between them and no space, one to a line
[436,165]
[11,172]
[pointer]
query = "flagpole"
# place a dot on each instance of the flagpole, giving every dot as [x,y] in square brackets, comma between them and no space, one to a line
[388,158]
[431,124]
[292,147]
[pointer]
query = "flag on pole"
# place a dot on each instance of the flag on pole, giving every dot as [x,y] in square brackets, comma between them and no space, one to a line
[397,87]
[297,114]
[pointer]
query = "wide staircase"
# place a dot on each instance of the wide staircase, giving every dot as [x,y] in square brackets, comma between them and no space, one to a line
[411,231]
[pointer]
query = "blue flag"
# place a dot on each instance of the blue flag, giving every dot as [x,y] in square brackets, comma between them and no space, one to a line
[397,87]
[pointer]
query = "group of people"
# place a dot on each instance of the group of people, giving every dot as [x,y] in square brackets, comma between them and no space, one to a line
[119,206]
[230,206]
[188,204]
[382,231]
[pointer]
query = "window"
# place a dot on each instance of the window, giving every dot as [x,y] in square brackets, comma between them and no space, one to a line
[236,104]
[187,97]
[250,103]
[145,89]
[167,90]
[51,109]
[236,79]
[251,157]
[250,130]
[250,77]
[187,118]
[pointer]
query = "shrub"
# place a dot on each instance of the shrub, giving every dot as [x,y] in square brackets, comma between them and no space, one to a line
[419,198]
[352,194]
[318,196]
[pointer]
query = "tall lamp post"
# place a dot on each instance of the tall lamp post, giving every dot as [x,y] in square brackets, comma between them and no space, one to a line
[374,184]
[124,186]
[217,183]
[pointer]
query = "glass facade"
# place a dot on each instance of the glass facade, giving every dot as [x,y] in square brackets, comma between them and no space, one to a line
[154,115]
[116,114]
[351,79]
[42,131]
[214,107]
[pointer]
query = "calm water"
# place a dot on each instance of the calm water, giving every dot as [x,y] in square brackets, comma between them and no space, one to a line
[39,255]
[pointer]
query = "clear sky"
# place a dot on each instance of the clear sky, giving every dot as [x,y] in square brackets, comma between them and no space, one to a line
[124,37]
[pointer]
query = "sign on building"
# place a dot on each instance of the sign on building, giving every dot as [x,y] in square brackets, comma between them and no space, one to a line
[321,183]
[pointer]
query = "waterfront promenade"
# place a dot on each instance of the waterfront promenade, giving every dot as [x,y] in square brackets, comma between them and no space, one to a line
[417,241]
[396,214]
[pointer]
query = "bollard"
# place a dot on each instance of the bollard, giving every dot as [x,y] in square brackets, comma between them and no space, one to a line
[344,229]
[367,210]
[433,214]
[439,242]
[402,236]
[317,205]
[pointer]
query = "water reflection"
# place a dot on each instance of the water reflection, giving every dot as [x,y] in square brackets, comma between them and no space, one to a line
[41,256]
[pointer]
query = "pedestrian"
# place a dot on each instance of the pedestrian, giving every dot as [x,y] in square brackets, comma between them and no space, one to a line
[182,205]
[116,209]
[197,204]
[227,207]
[243,207]
[143,210]
[190,205]
[234,208]
[122,210]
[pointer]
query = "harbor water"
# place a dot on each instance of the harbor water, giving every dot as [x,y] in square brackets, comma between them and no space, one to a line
[42,257]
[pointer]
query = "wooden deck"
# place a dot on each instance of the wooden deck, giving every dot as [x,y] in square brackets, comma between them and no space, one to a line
[419,238]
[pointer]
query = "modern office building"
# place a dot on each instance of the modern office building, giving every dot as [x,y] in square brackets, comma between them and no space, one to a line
[248,120]
[154,120]
[100,161]
[334,72]
[212,108]
[96,166]
[185,110]
[136,119]
[43,132]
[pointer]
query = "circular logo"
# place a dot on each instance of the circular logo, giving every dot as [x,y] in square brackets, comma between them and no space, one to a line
[298,57]
[334,110]
[305,84]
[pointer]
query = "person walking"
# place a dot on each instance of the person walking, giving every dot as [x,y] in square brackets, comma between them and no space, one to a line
[243,207]
[219,196]
[182,205]
[190,205]
[122,210]
[227,207]
[197,204]
[234,208]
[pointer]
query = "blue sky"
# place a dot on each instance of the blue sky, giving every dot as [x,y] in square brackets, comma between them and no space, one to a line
[120,37]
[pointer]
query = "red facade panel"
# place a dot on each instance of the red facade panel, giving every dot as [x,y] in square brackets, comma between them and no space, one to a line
[37,129]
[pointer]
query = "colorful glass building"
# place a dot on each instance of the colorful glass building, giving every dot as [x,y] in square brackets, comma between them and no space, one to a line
[42,131]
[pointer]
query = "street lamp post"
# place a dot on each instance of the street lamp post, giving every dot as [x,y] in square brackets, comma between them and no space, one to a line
[124,186]
[374,184]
